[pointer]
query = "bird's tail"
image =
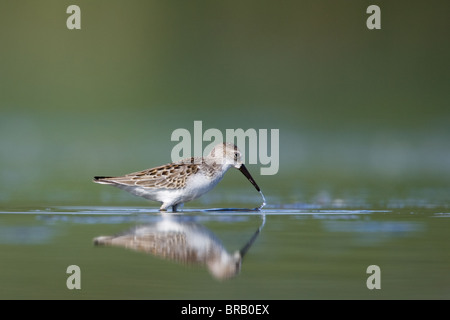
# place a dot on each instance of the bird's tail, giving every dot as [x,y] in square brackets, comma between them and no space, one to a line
[102,180]
[103,241]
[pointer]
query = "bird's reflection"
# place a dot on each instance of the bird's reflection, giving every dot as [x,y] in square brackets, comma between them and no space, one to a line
[187,242]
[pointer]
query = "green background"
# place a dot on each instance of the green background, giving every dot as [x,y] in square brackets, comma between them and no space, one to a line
[363,117]
[355,107]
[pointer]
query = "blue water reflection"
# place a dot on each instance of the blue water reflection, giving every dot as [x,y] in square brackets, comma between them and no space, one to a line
[374,232]
[21,235]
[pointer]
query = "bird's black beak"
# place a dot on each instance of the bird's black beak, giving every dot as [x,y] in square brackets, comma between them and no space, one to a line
[244,170]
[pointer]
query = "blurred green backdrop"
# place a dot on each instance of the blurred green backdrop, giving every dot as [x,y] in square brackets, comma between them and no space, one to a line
[355,107]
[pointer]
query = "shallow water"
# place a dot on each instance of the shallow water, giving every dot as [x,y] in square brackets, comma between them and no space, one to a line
[291,253]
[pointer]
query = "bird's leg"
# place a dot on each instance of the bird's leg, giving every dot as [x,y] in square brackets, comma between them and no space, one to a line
[177,206]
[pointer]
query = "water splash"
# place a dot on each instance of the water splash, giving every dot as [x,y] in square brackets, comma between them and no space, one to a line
[264,201]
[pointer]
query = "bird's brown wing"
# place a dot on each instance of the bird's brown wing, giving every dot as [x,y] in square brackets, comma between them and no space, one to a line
[169,176]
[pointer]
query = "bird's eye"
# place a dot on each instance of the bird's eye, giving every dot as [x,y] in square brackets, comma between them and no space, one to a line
[236,155]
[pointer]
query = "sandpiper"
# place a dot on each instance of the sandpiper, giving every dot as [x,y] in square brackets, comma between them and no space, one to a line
[174,184]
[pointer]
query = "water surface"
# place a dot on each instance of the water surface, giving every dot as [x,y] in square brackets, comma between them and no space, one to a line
[291,253]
